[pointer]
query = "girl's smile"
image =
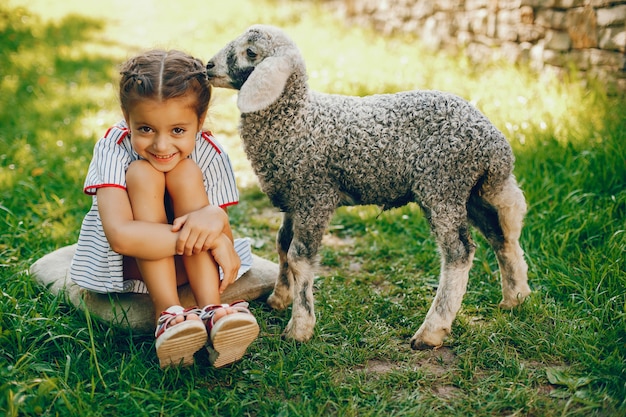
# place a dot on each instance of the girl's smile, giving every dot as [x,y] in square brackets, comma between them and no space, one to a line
[164,132]
[163,158]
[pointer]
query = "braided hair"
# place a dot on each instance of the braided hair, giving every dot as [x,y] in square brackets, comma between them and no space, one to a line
[163,75]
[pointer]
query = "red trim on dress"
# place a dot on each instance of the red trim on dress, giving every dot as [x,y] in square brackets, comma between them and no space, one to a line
[125,132]
[234,203]
[121,139]
[207,135]
[87,191]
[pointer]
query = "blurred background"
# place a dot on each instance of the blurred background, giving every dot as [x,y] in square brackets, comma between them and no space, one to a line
[548,74]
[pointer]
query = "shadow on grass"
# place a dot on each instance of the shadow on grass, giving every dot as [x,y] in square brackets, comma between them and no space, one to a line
[49,82]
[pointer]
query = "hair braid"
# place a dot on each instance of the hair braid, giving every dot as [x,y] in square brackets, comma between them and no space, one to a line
[162,75]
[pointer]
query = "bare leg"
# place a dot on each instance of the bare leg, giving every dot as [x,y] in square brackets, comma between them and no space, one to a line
[230,335]
[146,188]
[185,187]
[185,333]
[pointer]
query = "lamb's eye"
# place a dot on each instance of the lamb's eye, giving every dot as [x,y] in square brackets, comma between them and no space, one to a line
[251,54]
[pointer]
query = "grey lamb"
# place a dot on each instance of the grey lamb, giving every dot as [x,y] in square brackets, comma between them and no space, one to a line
[313,152]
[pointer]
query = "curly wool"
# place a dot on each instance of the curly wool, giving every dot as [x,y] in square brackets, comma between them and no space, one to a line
[313,152]
[424,146]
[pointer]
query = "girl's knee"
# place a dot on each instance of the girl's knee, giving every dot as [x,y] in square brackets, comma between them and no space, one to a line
[143,174]
[186,174]
[185,186]
[185,169]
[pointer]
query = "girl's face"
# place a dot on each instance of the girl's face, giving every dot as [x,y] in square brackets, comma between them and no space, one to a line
[164,132]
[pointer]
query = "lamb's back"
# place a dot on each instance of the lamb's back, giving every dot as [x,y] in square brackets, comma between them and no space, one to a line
[384,147]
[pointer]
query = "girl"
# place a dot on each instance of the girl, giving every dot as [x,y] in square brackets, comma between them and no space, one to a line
[160,189]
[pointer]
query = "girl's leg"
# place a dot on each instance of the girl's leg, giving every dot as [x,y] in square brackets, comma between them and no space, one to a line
[231,329]
[146,188]
[179,333]
[186,189]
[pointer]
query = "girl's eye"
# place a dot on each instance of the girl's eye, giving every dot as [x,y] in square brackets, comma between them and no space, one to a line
[178,131]
[145,129]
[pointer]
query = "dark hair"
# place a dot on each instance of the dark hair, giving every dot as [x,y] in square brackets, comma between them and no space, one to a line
[162,75]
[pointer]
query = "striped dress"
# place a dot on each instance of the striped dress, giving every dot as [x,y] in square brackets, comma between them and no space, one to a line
[95,266]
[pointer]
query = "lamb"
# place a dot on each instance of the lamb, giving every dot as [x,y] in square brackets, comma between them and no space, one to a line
[313,152]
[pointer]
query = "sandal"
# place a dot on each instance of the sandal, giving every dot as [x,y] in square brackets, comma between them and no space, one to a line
[231,334]
[176,344]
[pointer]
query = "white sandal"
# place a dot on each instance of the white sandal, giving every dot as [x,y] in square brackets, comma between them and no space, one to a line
[176,344]
[231,334]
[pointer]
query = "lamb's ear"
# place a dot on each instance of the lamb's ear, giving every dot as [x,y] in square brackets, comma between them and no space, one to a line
[264,85]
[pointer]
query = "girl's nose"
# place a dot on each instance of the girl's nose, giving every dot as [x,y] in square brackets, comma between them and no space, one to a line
[160,143]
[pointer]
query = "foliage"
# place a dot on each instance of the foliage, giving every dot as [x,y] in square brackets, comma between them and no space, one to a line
[562,353]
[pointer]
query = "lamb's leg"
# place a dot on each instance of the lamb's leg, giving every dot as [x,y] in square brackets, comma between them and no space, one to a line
[282,296]
[302,259]
[302,322]
[457,254]
[511,207]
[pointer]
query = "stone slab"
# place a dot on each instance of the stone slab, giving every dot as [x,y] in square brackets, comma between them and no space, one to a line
[135,311]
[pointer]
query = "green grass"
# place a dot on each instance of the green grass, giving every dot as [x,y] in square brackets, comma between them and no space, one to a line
[562,353]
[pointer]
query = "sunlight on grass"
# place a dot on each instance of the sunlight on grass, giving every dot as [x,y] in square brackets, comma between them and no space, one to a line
[380,270]
[522,105]
[526,108]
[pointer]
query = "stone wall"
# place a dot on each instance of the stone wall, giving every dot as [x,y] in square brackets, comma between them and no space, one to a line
[546,34]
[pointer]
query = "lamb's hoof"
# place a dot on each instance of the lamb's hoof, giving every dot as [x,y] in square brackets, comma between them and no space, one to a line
[421,345]
[509,303]
[299,333]
[277,303]
[424,340]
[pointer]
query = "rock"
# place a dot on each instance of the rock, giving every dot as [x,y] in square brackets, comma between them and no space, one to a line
[558,40]
[135,311]
[613,38]
[612,16]
[582,27]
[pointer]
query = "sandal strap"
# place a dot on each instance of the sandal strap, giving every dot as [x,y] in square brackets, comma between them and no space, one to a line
[172,312]
[207,313]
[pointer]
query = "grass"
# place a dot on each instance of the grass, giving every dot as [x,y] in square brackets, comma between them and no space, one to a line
[562,353]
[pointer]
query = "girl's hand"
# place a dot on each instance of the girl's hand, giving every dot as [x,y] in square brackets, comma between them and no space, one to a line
[199,230]
[225,255]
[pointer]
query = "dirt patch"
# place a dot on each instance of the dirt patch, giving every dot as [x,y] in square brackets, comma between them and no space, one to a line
[439,363]
[446,391]
[436,361]
[379,366]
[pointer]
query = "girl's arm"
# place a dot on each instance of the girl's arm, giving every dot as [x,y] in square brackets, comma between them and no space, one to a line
[199,220]
[152,241]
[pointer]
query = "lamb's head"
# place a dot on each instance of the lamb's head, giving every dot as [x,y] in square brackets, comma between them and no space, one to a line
[258,64]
